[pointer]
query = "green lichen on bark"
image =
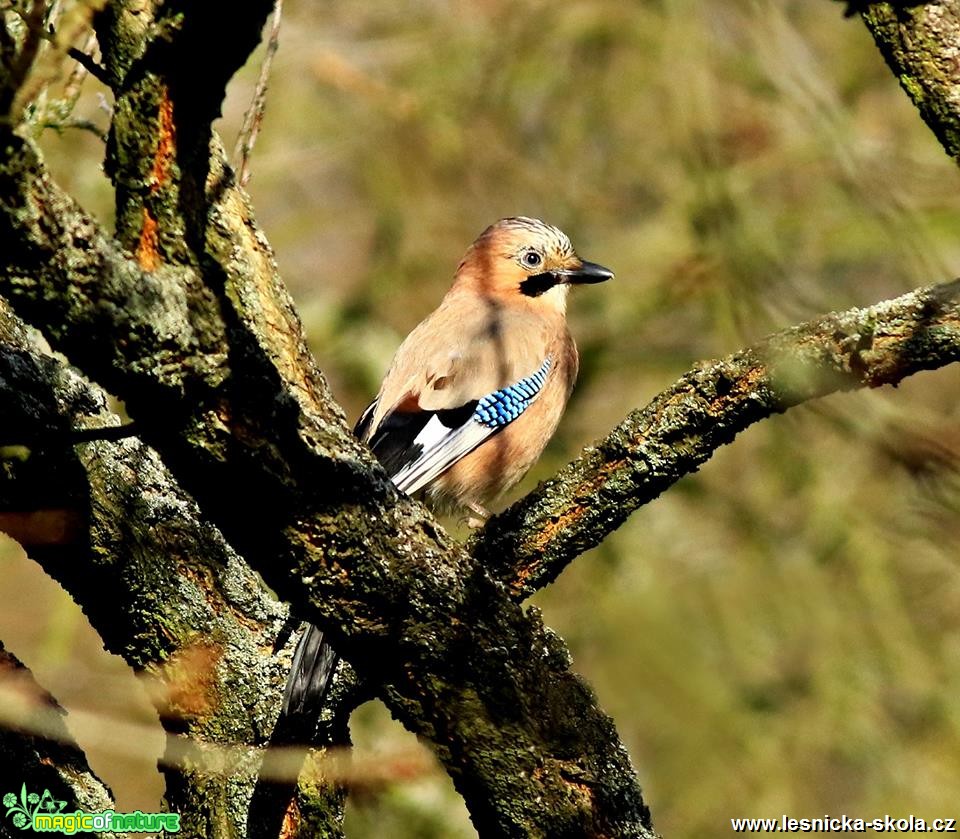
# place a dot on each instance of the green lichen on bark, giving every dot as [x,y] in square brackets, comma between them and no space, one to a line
[50,239]
[919,43]
[186,318]
[155,579]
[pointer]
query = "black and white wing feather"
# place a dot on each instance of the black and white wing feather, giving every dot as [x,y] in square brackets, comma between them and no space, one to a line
[417,446]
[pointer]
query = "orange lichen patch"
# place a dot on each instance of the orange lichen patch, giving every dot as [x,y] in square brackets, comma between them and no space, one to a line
[148,256]
[291,821]
[550,531]
[560,523]
[185,683]
[166,144]
[148,253]
[750,380]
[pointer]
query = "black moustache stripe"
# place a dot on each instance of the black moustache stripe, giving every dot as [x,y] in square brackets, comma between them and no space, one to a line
[537,284]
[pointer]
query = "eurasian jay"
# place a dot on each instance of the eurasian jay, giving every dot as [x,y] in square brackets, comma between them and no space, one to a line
[474,392]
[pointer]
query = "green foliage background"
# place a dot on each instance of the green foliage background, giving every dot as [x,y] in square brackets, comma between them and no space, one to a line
[781,632]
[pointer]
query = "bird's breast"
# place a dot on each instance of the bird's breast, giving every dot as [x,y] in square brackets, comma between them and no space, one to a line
[502,460]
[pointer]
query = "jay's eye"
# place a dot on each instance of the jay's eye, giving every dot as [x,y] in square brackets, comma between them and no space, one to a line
[532,258]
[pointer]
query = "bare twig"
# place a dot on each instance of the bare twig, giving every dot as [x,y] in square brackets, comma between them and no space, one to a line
[87,62]
[79,124]
[253,118]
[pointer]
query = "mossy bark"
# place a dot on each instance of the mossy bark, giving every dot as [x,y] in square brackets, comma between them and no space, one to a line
[155,578]
[919,43]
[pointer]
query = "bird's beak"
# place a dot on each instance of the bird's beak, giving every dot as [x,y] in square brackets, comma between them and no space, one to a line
[588,272]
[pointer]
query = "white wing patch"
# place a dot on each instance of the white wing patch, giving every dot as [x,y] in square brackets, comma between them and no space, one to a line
[441,446]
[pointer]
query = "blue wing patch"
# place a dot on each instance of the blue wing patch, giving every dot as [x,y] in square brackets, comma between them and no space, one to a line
[418,447]
[500,408]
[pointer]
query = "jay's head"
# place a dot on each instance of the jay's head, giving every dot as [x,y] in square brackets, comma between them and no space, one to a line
[528,258]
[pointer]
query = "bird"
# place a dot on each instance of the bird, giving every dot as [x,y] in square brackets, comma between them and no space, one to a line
[473,394]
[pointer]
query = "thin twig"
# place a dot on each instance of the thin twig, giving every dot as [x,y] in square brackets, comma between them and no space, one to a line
[87,62]
[79,124]
[130,740]
[253,118]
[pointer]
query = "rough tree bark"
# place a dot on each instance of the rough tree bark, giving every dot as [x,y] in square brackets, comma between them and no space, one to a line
[183,315]
[156,579]
[919,43]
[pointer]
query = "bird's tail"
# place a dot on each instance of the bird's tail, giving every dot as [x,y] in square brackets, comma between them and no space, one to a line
[311,672]
[314,660]
[308,683]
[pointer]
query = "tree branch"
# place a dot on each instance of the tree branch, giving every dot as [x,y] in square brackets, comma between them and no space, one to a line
[155,579]
[529,544]
[197,333]
[918,42]
[88,63]
[16,59]
[253,118]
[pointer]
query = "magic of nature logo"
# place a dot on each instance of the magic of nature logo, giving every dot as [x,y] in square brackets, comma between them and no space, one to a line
[44,814]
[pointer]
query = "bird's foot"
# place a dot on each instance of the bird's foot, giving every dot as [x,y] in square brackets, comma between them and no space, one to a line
[480,519]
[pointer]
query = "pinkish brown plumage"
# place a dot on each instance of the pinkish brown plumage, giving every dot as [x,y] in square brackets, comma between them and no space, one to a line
[503,318]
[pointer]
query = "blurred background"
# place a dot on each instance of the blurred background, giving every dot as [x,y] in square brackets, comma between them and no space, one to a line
[779,633]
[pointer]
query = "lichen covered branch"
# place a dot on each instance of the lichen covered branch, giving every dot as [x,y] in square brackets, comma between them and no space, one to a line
[919,42]
[529,544]
[230,396]
[156,580]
